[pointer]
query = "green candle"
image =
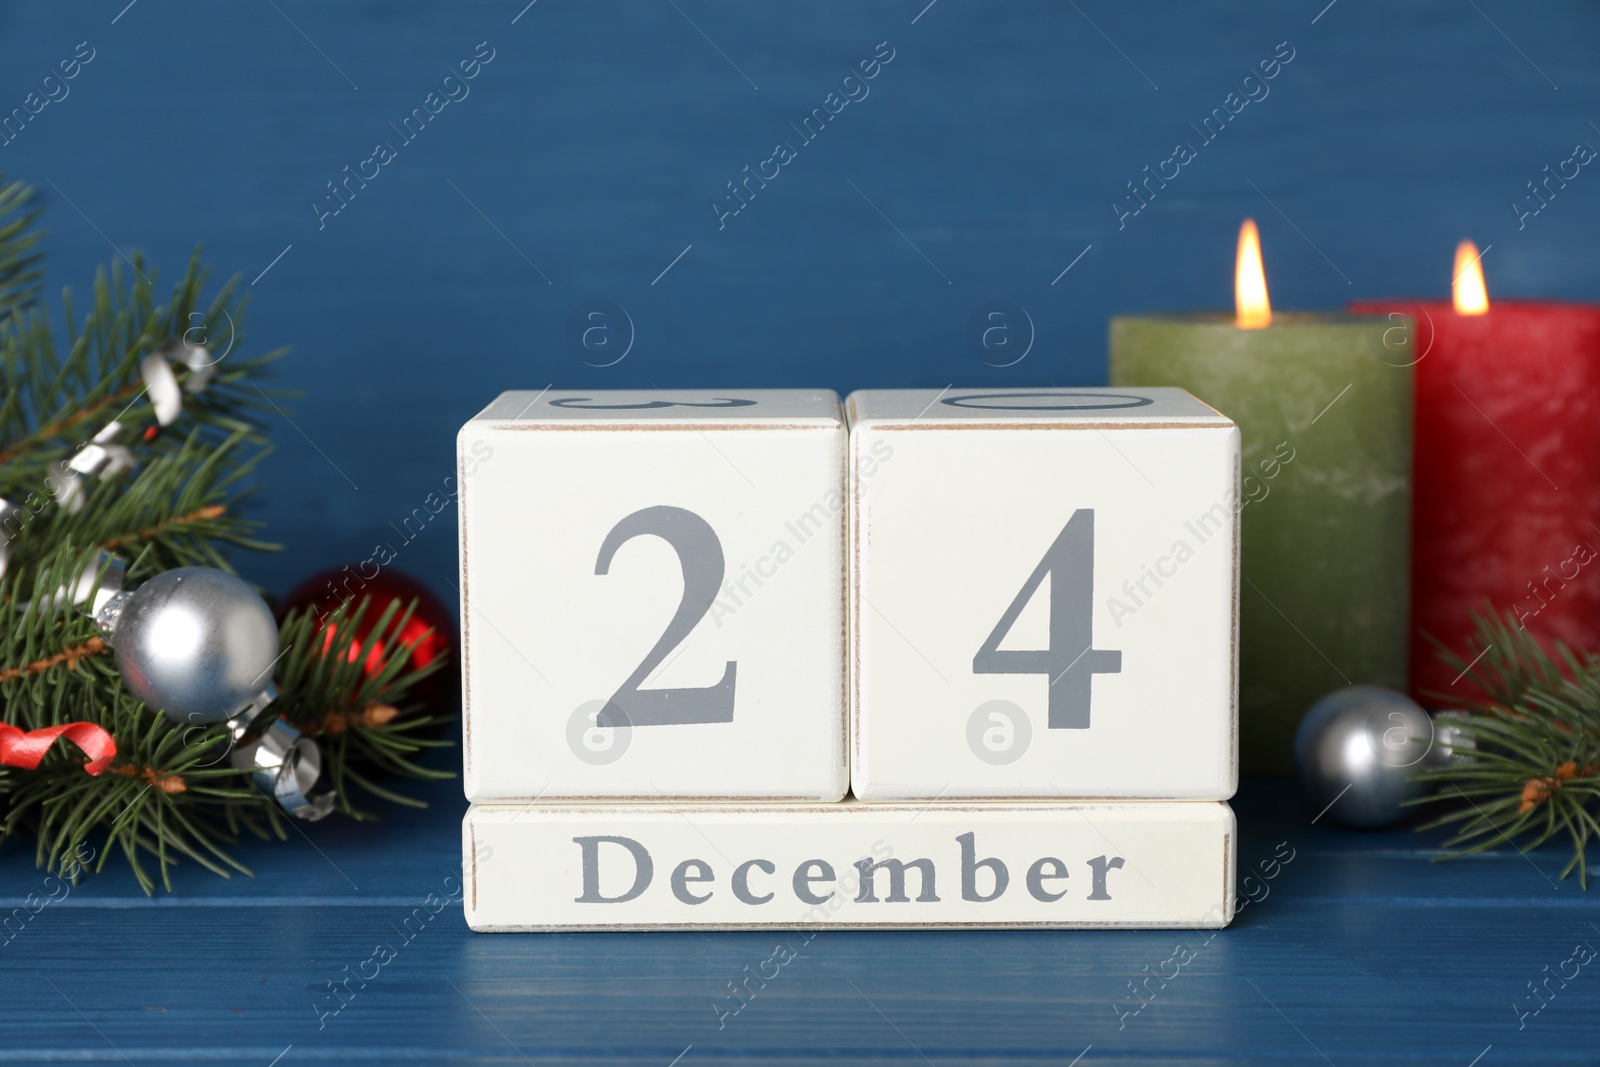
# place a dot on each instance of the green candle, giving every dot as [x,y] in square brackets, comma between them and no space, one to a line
[1323,404]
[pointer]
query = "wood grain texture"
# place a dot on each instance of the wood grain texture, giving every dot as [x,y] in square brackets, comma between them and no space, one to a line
[593,145]
[1374,953]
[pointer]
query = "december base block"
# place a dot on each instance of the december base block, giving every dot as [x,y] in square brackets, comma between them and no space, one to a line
[644,866]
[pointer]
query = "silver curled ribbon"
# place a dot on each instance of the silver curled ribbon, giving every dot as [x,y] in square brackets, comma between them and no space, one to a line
[101,457]
[281,762]
[104,454]
[161,383]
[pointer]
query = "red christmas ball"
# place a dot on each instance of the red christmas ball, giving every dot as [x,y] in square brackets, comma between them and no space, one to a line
[429,632]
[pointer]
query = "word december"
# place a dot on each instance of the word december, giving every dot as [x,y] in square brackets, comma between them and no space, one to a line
[1203,528]
[1582,154]
[855,90]
[55,91]
[811,875]
[1184,153]
[384,152]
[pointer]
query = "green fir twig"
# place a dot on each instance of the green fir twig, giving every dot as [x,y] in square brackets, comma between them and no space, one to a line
[1532,747]
[171,793]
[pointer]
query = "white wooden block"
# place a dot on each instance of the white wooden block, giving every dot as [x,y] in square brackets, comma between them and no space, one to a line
[633,866]
[1044,594]
[652,595]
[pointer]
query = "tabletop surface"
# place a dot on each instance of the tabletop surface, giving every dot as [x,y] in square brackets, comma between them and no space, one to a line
[1348,948]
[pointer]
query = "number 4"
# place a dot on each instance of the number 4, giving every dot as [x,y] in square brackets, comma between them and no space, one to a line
[1069,662]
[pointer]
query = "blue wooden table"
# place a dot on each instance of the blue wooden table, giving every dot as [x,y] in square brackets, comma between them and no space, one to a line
[1354,949]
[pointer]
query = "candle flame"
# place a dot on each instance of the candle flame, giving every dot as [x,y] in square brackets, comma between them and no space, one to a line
[1252,308]
[1467,289]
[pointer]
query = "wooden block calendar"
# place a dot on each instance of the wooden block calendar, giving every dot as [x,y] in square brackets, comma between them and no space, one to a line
[653,595]
[1004,621]
[1044,594]
[651,866]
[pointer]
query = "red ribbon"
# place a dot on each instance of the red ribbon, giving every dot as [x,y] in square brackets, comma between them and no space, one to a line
[25,750]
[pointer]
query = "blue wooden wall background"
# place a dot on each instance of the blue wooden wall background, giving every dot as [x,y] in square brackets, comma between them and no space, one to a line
[585,159]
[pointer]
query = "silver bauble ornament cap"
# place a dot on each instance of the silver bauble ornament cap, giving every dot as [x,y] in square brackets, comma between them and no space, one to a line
[1357,750]
[197,643]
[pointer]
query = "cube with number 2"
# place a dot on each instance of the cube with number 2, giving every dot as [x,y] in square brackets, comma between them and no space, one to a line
[652,595]
[1043,594]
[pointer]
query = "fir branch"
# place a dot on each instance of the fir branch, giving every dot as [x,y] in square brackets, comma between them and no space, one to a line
[134,814]
[181,509]
[68,656]
[1532,749]
[33,696]
[70,421]
[19,255]
[171,793]
[351,697]
[185,522]
[56,401]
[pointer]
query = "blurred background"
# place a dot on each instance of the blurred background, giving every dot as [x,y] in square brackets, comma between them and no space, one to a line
[585,170]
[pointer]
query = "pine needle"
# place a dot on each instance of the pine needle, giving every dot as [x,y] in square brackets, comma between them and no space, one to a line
[180,505]
[1532,771]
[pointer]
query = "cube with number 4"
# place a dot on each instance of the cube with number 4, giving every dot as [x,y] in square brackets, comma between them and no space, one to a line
[652,595]
[1043,594]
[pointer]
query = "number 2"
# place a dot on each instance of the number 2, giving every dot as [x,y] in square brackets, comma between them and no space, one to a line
[1069,662]
[700,556]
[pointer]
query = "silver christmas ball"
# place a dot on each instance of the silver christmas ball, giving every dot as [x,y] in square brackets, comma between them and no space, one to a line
[197,643]
[1356,751]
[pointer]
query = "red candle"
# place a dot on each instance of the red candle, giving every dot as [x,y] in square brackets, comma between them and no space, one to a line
[1506,471]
